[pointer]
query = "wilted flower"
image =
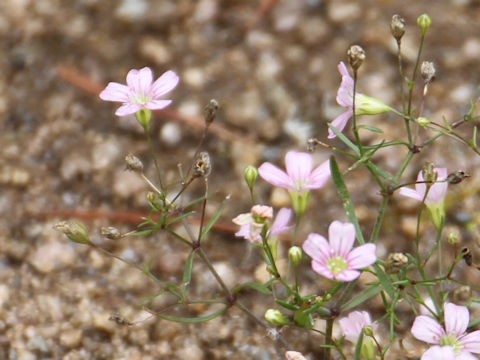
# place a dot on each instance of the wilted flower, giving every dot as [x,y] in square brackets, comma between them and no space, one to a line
[335,258]
[436,194]
[299,178]
[452,340]
[251,224]
[140,91]
[364,105]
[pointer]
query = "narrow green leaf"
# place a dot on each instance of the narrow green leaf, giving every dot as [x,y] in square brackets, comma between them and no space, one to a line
[192,320]
[144,233]
[370,128]
[385,281]
[362,297]
[286,305]
[380,172]
[148,266]
[345,196]
[358,347]
[212,221]
[261,288]
[180,217]
[187,273]
[474,137]
[345,140]
[474,322]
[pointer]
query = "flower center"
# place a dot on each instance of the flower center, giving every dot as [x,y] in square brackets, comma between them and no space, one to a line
[140,99]
[337,264]
[452,341]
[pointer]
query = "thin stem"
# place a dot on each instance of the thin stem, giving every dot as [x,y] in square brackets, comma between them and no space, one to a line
[328,338]
[412,84]
[157,167]
[204,205]
[354,116]
[214,272]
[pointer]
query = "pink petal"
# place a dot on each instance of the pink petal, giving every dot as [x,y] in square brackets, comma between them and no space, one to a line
[430,306]
[347,275]
[362,256]
[411,193]
[157,104]
[427,329]
[340,122]
[280,225]
[342,69]
[317,247]
[319,176]
[321,269]
[164,84]
[115,92]
[341,237]
[465,355]
[438,191]
[345,91]
[354,323]
[299,166]
[127,109]
[273,175]
[471,342]
[439,353]
[456,319]
[140,81]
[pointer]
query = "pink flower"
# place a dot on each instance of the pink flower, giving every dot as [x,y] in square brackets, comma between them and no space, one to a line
[140,92]
[364,105]
[299,176]
[335,258]
[453,336]
[435,196]
[251,224]
[353,324]
[294,355]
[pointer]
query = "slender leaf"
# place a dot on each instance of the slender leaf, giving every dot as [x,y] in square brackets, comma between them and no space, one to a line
[180,217]
[187,273]
[362,297]
[212,221]
[261,288]
[345,140]
[358,347]
[286,305]
[382,173]
[192,320]
[370,128]
[385,281]
[474,322]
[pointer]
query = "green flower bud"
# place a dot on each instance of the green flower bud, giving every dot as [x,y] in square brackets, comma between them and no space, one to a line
[367,105]
[144,116]
[424,21]
[75,231]
[295,255]
[453,238]
[423,121]
[368,348]
[251,174]
[275,317]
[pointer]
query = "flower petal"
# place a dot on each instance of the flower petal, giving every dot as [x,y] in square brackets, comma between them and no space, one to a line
[438,191]
[362,256]
[321,269]
[427,329]
[115,92]
[347,275]
[273,175]
[319,176]
[411,193]
[341,237]
[127,109]
[157,104]
[299,166]
[471,342]
[317,247]
[456,319]
[164,84]
[345,91]
[428,307]
[340,122]
[280,225]
[140,81]
[439,353]
[465,355]
[353,324]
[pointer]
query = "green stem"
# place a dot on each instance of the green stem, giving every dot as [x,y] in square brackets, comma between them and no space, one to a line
[328,338]
[157,167]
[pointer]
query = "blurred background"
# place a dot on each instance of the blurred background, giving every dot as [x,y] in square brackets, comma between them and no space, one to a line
[271,64]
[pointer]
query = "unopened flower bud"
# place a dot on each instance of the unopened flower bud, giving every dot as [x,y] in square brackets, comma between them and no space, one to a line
[453,238]
[368,330]
[261,213]
[356,56]
[133,163]
[463,293]
[457,177]
[110,232]
[295,255]
[202,166]
[210,111]
[251,174]
[368,349]
[428,71]
[75,231]
[397,27]
[151,196]
[395,262]
[275,317]
[429,173]
[424,21]
[423,121]
[294,355]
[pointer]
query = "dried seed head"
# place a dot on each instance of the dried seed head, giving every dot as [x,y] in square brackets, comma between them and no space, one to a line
[202,166]
[428,71]
[312,144]
[133,163]
[457,177]
[463,293]
[467,256]
[356,56]
[110,232]
[210,111]
[75,231]
[397,27]
[119,319]
[395,262]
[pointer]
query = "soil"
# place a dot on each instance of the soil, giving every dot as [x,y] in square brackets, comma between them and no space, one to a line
[271,65]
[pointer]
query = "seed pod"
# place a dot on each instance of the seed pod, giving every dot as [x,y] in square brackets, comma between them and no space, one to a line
[395,262]
[457,177]
[210,111]
[397,27]
[133,163]
[202,166]
[428,71]
[356,56]
[110,232]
